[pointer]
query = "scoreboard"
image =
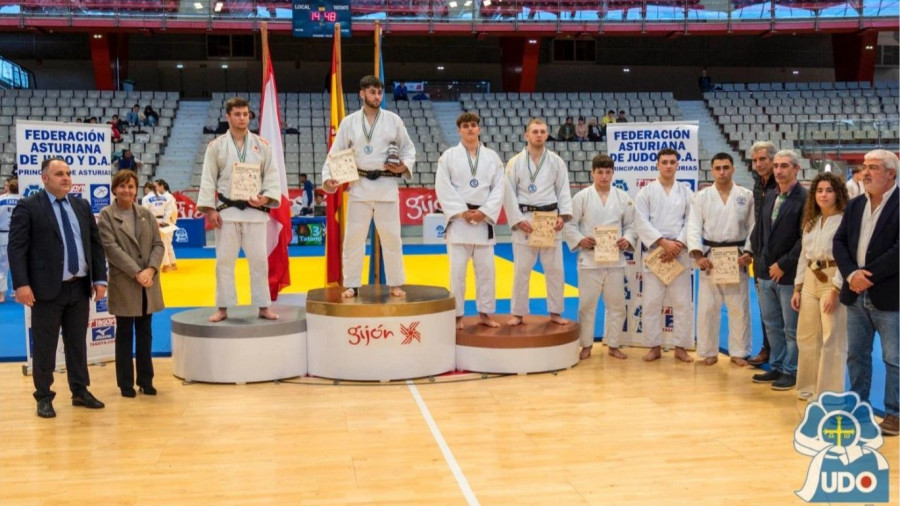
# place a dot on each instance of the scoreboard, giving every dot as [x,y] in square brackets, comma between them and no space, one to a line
[316,18]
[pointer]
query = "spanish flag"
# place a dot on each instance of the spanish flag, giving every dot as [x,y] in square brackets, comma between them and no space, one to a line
[334,230]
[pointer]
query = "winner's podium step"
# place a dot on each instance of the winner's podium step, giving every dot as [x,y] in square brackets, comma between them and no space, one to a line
[537,345]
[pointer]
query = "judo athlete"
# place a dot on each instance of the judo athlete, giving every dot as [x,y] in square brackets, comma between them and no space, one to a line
[239,224]
[383,152]
[601,205]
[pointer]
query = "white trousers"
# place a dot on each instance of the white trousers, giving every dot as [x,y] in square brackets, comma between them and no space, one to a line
[387,223]
[483,263]
[709,314]
[166,234]
[4,260]
[677,296]
[821,339]
[524,259]
[610,284]
[230,239]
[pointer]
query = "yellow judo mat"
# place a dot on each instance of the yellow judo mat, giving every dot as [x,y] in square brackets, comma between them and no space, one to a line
[193,284]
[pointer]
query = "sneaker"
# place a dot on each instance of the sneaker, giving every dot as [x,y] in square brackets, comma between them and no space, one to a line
[890,426]
[766,377]
[785,382]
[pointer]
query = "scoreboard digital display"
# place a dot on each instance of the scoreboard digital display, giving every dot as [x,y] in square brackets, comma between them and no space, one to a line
[316,18]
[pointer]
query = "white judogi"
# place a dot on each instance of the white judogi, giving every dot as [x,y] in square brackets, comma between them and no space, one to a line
[551,185]
[594,280]
[712,220]
[241,229]
[378,198]
[165,210]
[456,193]
[7,202]
[665,215]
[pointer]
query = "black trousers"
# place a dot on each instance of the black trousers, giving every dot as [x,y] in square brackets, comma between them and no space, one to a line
[70,311]
[134,333]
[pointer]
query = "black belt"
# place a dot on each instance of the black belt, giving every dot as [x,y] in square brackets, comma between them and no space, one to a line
[240,204]
[525,208]
[475,207]
[372,175]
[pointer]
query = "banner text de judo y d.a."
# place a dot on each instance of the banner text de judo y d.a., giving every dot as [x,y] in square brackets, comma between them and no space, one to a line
[633,147]
[86,148]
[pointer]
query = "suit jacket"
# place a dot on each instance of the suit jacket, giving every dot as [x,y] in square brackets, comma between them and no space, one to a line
[881,255]
[128,253]
[37,249]
[780,241]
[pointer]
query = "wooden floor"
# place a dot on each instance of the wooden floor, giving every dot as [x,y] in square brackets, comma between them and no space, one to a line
[605,432]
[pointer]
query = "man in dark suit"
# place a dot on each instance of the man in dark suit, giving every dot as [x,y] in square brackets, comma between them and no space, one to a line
[865,248]
[761,155]
[57,263]
[776,244]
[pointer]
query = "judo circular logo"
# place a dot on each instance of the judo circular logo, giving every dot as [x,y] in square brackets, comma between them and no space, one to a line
[839,433]
[101,192]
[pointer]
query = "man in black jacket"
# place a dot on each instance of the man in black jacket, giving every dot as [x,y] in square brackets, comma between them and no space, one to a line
[865,248]
[57,263]
[776,244]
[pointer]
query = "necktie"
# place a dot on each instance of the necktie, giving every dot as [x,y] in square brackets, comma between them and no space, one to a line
[778,201]
[71,247]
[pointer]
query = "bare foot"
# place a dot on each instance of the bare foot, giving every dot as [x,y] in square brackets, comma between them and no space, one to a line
[515,320]
[653,354]
[487,321]
[682,355]
[173,267]
[2,297]
[585,352]
[709,360]
[165,268]
[267,314]
[559,320]
[219,315]
[349,293]
[617,353]
[740,362]
[459,324]
[396,291]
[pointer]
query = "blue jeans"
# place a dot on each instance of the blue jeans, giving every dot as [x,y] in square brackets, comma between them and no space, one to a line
[863,320]
[780,321]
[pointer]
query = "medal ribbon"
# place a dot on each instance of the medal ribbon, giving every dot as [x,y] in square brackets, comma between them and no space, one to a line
[241,153]
[540,165]
[474,166]
[368,133]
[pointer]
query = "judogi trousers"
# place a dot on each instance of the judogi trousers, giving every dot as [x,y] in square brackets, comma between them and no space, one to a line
[677,296]
[821,339]
[167,234]
[230,239]
[610,283]
[483,263]
[709,314]
[4,261]
[387,223]
[524,258]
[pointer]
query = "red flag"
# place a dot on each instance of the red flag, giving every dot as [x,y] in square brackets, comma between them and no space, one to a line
[278,232]
[334,221]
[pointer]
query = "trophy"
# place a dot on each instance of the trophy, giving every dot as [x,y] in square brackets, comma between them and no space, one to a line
[393,154]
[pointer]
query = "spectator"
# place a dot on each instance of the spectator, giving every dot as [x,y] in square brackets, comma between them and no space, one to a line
[306,187]
[151,117]
[609,118]
[79,120]
[319,207]
[8,200]
[121,125]
[128,161]
[134,116]
[581,130]
[594,132]
[93,120]
[116,135]
[855,184]
[566,131]
[621,118]
[401,92]
[704,82]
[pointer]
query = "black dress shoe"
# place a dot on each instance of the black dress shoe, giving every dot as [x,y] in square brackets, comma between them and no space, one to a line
[45,409]
[148,390]
[767,377]
[128,392]
[87,400]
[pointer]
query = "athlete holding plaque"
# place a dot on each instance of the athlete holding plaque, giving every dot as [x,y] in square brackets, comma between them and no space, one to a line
[537,179]
[384,153]
[235,164]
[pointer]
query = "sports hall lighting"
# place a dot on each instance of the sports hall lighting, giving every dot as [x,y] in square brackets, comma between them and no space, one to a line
[869,48]
[98,36]
[796,72]
[486,3]
[532,41]
[218,7]
[198,5]
[440,67]
[453,5]
[225,66]
[468,3]
[626,70]
[179,66]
